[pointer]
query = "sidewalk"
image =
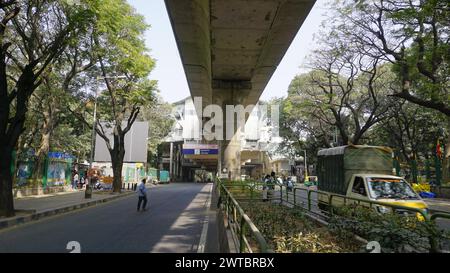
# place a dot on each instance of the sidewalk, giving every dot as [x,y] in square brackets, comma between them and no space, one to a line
[38,207]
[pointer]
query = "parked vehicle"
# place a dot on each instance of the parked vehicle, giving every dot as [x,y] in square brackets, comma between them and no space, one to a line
[164,177]
[363,172]
[311,181]
[152,176]
[245,177]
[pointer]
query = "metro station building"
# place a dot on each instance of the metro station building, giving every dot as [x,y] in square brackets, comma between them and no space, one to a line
[193,160]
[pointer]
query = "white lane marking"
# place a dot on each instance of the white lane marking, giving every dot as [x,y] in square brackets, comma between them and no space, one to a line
[201,246]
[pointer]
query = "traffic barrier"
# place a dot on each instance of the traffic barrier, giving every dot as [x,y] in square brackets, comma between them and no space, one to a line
[239,223]
[310,201]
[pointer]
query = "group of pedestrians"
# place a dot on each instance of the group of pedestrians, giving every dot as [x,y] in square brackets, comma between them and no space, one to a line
[269,182]
[79,182]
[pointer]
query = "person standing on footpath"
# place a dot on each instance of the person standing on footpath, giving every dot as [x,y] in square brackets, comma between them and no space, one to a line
[75,181]
[142,190]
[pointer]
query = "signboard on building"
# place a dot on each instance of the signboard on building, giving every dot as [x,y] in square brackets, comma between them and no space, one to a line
[200,150]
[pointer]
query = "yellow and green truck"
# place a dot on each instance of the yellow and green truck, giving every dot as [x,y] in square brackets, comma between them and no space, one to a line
[360,172]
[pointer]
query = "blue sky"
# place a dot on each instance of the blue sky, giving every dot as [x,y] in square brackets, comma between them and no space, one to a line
[169,70]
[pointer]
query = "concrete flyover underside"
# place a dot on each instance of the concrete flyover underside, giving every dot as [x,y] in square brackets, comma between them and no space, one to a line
[231,48]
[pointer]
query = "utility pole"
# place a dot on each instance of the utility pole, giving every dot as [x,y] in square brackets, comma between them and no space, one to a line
[306,165]
[171,158]
[88,192]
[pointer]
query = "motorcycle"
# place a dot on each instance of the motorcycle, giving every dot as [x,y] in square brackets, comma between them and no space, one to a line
[98,186]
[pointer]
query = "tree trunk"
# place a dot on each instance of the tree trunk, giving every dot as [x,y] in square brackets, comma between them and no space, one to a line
[117,170]
[117,155]
[10,130]
[357,137]
[6,195]
[117,165]
[47,132]
[8,141]
[44,148]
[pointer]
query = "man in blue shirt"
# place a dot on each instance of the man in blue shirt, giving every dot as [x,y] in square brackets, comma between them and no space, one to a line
[142,190]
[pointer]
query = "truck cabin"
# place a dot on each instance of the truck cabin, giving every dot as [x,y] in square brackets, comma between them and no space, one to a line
[376,188]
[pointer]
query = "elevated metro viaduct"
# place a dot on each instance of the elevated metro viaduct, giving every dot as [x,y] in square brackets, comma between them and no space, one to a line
[230,50]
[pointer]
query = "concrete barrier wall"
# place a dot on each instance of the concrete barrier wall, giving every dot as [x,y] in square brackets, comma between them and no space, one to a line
[24,192]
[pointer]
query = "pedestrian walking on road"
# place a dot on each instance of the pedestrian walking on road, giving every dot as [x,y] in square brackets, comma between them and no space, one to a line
[142,190]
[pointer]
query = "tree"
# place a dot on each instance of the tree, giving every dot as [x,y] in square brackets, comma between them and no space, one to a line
[33,34]
[414,37]
[119,51]
[412,131]
[53,95]
[160,125]
[343,91]
[300,132]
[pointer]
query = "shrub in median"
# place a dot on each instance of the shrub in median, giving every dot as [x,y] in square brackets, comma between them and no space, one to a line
[288,230]
[394,233]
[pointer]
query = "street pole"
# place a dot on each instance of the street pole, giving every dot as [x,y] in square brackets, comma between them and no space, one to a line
[88,193]
[306,166]
[171,159]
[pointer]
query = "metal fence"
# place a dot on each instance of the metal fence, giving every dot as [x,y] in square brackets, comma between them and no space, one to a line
[312,200]
[245,234]
[309,200]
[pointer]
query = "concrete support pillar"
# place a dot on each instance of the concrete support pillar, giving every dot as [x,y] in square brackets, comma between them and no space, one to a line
[226,94]
[232,157]
[175,162]
[171,160]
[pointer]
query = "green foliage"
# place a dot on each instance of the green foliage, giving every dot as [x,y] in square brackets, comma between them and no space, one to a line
[394,232]
[289,231]
[51,30]
[121,50]
[329,106]
[412,35]
[410,130]
[108,41]
[119,68]
[161,123]
[119,34]
[74,139]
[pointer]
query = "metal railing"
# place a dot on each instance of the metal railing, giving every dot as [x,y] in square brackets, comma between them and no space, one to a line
[243,230]
[312,201]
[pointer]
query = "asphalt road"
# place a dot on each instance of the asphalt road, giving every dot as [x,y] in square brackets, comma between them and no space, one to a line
[173,224]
